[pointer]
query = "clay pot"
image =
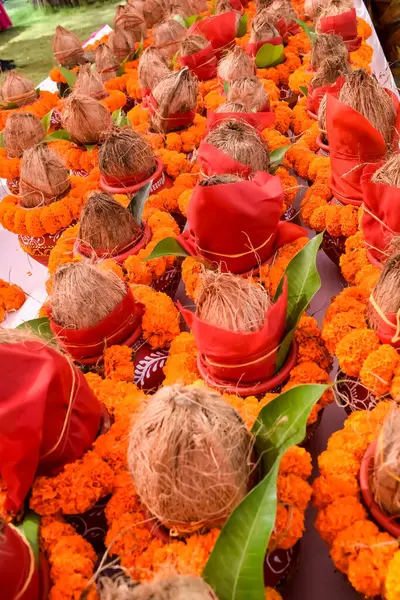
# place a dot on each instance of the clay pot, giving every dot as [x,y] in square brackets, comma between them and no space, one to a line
[323,148]
[39,248]
[333,246]
[352,394]
[160,181]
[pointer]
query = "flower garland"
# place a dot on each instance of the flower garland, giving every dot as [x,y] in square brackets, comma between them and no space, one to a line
[12,297]
[39,108]
[9,167]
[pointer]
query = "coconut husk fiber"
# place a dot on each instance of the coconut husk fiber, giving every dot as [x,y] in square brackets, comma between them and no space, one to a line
[192,44]
[236,65]
[43,177]
[129,18]
[154,11]
[121,43]
[86,120]
[241,142]
[198,6]
[250,92]
[22,131]
[84,294]
[312,7]
[153,67]
[189,457]
[176,93]
[126,153]
[67,48]
[107,64]
[180,7]
[389,172]
[282,9]
[322,119]
[330,70]
[175,587]
[219,180]
[386,474]
[327,45]
[167,36]
[223,6]
[231,107]
[386,292]
[331,9]
[18,89]
[106,225]
[89,83]
[263,27]
[363,93]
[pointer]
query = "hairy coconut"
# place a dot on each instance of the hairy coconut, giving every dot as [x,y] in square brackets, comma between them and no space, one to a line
[17,89]
[121,43]
[106,225]
[189,456]
[167,36]
[153,67]
[43,178]
[176,93]
[67,48]
[282,9]
[89,83]
[126,153]
[219,180]
[312,7]
[175,587]
[389,172]
[385,478]
[192,44]
[260,4]
[241,142]
[107,64]
[22,131]
[131,19]
[250,92]
[332,9]
[236,65]
[86,120]
[198,6]
[84,294]
[386,292]
[330,70]
[180,7]
[154,11]
[327,45]
[322,120]
[231,107]
[364,94]
[223,6]
[263,27]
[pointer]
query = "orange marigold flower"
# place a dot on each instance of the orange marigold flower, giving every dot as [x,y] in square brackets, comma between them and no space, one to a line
[327,489]
[12,297]
[293,490]
[118,364]
[296,460]
[184,342]
[160,322]
[350,441]
[335,517]
[340,325]
[314,350]
[181,368]
[191,269]
[349,541]
[288,528]
[392,583]
[367,277]
[379,368]
[335,462]
[353,349]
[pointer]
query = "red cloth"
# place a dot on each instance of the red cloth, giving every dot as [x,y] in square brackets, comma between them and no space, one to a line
[5,21]
[315,95]
[203,63]
[345,26]
[287,28]
[251,48]
[130,185]
[234,349]
[258,120]
[220,30]
[242,218]
[48,415]
[15,567]
[125,321]
[120,254]
[236,5]
[215,162]
[387,328]
[174,121]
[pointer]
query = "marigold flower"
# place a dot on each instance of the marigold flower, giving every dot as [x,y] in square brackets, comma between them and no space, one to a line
[296,460]
[328,488]
[354,348]
[379,368]
[334,462]
[118,364]
[340,325]
[160,322]
[288,528]
[392,583]
[335,517]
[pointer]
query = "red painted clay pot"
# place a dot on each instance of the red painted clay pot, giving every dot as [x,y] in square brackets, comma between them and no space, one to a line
[169,281]
[13,186]
[39,248]
[333,246]
[149,365]
[352,394]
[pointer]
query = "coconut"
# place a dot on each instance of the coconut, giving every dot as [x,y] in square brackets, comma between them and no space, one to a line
[43,178]
[329,71]
[121,43]
[241,142]
[106,63]
[132,20]
[176,93]
[22,131]
[175,587]
[332,9]
[263,27]
[322,120]
[231,107]
[385,478]
[153,67]
[364,94]
[106,225]
[189,457]
[198,6]
[126,153]
[327,45]
[18,90]
[67,49]
[236,65]
[223,6]
[180,7]
[389,172]
[260,4]
[154,11]
[86,120]
[219,180]
[167,36]
[386,292]
[84,294]
[192,44]
[312,7]
[282,9]
[250,92]
[89,83]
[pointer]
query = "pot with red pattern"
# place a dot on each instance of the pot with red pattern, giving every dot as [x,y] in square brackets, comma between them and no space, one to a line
[352,395]
[149,364]
[39,248]
[168,282]
[13,186]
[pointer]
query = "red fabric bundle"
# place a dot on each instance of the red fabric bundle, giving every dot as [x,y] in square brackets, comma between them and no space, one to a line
[131,185]
[202,63]
[240,356]
[17,573]
[345,26]
[122,254]
[287,28]
[220,30]
[122,326]
[388,329]
[242,228]
[251,48]
[258,120]
[48,415]
[315,95]
[174,121]
[215,162]
[236,5]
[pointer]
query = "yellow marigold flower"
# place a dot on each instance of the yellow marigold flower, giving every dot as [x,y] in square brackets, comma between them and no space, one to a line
[335,517]
[378,369]
[392,583]
[354,348]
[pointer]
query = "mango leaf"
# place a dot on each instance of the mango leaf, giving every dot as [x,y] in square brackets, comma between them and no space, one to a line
[90,147]
[139,50]
[269,55]
[120,119]
[69,77]
[60,134]
[29,528]
[167,247]
[192,19]
[2,145]
[121,69]
[8,106]
[303,283]
[136,205]
[242,27]
[277,156]
[180,20]
[309,31]
[304,90]
[235,567]
[40,327]
[46,120]
[226,88]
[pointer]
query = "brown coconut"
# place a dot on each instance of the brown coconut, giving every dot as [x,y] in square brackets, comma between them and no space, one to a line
[236,65]
[176,93]
[22,131]
[364,94]
[43,178]
[121,43]
[241,142]
[106,225]
[250,92]
[219,180]
[86,120]
[153,67]
[223,6]
[132,20]
[189,457]
[107,64]
[312,7]
[175,587]
[282,9]
[18,90]
[330,70]
[192,44]
[167,36]
[67,48]
[198,6]
[332,9]
[84,294]
[389,172]
[327,45]
[386,292]
[180,7]
[263,27]
[385,478]
[231,107]
[154,11]
[89,83]
[322,120]
[126,153]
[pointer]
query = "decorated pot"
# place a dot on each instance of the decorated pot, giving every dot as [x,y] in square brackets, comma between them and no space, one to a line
[352,394]
[92,525]
[13,186]
[287,95]
[169,281]
[333,246]
[323,148]
[39,248]
[149,364]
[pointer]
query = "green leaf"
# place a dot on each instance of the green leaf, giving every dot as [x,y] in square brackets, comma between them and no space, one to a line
[40,327]
[242,27]
[269,55]
[303,283]
[174,60]
[167,247]
[90,147]
[8,106]
[180,20]
[46,120]
[69,77]
[139,50]
[304,90]
[136,205]
[121,69]
[120,119]
[192,19]
[226,88]
[2,145]
[29,528]
[235,567]
[277,156]
[60,134]
[307,29]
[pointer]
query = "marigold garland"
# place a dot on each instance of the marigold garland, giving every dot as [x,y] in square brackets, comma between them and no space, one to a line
[12,297]
[42,105]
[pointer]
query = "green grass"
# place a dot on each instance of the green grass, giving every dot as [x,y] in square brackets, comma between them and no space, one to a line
[28,42]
